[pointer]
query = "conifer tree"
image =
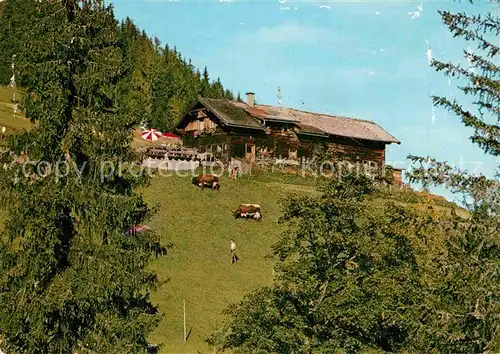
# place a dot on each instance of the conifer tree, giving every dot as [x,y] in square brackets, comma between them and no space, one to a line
[228,95]
[157,44]
[205,84]
[15,19]
[140,68]
[217,90]
[71,279]
[175,108]
[468,298]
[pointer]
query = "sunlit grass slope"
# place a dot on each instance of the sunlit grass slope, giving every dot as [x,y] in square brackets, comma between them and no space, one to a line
[12,122]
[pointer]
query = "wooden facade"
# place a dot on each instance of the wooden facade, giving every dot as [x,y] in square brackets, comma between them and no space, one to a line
[249,145]
[207,133]
[227,131]
[276,143]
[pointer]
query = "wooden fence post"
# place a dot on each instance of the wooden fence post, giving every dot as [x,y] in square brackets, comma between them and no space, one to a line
[184,306]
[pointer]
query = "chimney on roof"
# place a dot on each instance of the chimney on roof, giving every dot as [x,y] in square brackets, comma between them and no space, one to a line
[250,99]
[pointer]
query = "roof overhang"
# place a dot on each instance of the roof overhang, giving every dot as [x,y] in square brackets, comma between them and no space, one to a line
[206,107]
[224,121]
[391,141]
[188,113]
[242,126]
[361,140]
[311,134]
[278,120]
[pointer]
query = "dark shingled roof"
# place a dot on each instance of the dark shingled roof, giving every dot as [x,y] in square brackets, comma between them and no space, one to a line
[319,122]
[239,114]
[230,114]
[310,130]
[332,125]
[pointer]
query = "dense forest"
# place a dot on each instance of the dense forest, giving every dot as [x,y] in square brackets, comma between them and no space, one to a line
[158,85]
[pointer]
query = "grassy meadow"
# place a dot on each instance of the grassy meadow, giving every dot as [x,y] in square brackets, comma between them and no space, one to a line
[200,225]
[12,123]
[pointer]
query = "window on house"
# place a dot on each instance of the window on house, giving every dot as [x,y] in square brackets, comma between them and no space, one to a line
[202,125]
[238,150]
[281,151]
[248,148]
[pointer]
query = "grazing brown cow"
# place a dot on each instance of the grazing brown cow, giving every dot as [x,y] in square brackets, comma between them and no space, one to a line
[211,181]
[252,211]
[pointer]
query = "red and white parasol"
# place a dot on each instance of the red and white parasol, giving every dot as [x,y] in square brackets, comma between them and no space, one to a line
[151,134]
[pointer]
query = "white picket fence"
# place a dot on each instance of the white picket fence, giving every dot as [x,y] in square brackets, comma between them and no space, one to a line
[171,165]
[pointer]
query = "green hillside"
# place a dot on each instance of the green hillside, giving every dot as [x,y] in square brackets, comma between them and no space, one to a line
[200,225]
[8,120]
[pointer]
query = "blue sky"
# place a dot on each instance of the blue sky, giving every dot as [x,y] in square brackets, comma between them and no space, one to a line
[365,59]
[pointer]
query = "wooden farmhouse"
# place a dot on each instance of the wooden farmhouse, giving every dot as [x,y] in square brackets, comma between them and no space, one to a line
[255,132]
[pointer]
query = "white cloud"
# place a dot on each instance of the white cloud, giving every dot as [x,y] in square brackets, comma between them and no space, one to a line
[289,33]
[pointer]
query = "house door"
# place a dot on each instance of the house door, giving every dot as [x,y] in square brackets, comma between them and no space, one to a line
[250,152]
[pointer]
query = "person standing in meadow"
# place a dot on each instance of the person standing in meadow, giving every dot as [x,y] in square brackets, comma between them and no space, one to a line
[234,257]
